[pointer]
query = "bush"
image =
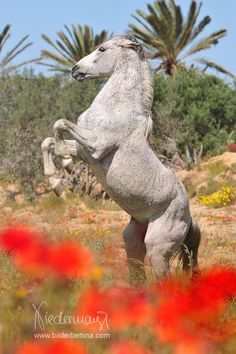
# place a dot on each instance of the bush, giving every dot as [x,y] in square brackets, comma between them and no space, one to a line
[188,110]
[30,105]
[192,109]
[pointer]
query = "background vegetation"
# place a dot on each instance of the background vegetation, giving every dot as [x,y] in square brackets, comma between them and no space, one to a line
[190,109]
[194,114]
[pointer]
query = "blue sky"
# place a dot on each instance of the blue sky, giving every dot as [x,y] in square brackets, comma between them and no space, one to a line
[49,16]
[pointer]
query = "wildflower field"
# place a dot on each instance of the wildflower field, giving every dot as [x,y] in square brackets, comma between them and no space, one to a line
[64,284]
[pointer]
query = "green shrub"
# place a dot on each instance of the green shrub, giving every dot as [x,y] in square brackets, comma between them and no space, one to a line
[192,109]
[29,106]
[216,168]
[189,109]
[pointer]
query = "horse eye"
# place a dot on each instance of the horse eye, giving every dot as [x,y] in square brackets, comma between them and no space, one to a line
[101,49]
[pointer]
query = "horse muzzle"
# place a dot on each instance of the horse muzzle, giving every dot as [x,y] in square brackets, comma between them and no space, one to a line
[77,74]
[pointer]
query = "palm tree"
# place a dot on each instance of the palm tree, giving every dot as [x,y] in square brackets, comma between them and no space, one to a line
[71,45]
[5,61]
[170,38]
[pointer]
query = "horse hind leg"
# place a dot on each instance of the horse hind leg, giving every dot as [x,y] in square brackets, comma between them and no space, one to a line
[163,238]
[134,234]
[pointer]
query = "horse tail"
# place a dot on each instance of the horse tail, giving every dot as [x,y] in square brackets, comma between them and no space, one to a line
[189,248]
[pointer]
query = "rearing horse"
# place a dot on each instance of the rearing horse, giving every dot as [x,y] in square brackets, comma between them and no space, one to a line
[112,138]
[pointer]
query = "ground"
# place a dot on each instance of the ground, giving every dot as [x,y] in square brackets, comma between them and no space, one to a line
[99,227]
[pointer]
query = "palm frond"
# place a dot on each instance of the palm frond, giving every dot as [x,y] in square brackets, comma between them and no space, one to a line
[167,17]
[145,37]
[147,28]
[10,68]
[4,35]
[70,46]
[55,57]
[188,26]
[166,34]
[200,27]
[178,18]
[206,43]
[5,61]
[215,66]
[14,52]
[50,42]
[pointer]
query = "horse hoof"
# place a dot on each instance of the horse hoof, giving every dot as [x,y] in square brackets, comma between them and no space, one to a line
[67,164]
[57,186]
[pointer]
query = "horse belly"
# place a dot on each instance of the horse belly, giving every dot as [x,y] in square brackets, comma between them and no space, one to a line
[134,181]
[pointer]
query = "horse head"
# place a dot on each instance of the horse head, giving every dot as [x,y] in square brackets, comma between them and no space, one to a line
[104,59]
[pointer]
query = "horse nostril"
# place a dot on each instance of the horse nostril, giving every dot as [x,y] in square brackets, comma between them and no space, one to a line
[74,68]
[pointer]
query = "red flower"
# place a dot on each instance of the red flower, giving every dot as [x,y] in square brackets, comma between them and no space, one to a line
[188,313]
[30,252]
[52,347]
[31,348]
[33,254]
[124,307]
[71,259]
[127,347]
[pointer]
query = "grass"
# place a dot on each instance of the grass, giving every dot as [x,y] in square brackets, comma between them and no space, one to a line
[190,187]
[51,201]
[100,205]
[216,168]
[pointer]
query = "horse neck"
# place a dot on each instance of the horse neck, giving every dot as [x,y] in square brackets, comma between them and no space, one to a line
[130,85]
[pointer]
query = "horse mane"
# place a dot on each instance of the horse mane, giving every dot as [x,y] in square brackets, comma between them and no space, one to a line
[147,84]
[147,96]
[146,80]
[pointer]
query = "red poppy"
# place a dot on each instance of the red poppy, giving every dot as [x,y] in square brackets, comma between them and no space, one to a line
[31,348]
[61,346]
[127,347]
[71,259]
[33,254]
[30,252]
[123,306]
[188,312]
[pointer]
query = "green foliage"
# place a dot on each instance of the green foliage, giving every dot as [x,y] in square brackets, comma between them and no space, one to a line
[190,187]
[211,186]
[192,109]
[229,138]
[51,202]
[216,168]
[189,109]
[170,38]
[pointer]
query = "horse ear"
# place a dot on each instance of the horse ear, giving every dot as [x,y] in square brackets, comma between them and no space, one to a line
[134,44]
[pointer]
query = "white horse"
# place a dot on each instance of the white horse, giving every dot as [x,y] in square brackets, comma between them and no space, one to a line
[112,138]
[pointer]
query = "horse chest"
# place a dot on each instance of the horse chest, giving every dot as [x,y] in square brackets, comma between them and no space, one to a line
[131,173]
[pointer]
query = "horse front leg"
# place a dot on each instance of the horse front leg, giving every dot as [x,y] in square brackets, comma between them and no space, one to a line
[50,170]
[61,149]
[94,146]
[48,150]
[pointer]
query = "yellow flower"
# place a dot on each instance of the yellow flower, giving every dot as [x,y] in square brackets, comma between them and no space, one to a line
[220,198]
[21,293]
[97,273]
